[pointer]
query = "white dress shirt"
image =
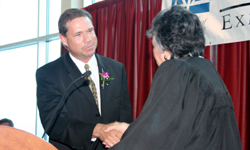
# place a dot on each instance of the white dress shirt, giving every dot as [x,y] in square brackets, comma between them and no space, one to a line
[93,67]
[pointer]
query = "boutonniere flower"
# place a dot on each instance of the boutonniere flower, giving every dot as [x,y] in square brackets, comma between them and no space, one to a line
[105,77]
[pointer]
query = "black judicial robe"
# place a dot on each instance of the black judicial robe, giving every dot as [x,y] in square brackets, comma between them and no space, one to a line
[188,107]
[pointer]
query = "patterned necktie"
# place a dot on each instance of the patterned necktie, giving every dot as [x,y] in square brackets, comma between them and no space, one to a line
[92,86]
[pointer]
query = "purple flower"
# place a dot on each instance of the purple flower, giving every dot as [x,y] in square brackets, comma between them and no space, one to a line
[105,77]
[105,74]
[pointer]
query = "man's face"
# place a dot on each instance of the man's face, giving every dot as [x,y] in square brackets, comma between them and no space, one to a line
[80,38]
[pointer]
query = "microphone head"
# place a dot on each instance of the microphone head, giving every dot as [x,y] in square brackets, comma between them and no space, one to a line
[87,73]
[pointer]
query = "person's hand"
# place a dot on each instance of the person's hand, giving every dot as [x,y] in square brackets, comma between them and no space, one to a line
[119,126]
[116,126]
[109,138]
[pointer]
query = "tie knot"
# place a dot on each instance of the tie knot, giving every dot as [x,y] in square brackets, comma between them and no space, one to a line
[86,67]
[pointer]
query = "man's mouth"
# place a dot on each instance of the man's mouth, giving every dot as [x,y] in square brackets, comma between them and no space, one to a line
[89,46]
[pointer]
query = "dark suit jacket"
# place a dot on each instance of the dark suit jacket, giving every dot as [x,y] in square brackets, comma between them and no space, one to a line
[72,127]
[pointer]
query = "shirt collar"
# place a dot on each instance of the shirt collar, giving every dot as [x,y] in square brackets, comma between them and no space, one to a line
[80,65]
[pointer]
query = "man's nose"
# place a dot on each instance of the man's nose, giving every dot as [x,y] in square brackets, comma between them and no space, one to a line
[86,38]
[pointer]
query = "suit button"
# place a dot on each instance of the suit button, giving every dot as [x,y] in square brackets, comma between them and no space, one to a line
[97,115]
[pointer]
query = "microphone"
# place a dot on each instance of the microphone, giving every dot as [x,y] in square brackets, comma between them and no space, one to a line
[84,75]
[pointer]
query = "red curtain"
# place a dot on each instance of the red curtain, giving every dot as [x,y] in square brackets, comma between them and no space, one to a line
[121,27]
[232,61]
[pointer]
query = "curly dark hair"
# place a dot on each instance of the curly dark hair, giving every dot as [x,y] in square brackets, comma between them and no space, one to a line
[69,15]
[179,31]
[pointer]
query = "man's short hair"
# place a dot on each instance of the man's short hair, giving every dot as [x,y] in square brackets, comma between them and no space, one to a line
[69,15]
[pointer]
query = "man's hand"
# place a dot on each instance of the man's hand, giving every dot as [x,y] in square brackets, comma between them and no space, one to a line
[110,128]
[119,126]
[109,138]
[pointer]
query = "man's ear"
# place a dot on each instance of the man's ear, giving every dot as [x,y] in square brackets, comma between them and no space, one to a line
[63,39]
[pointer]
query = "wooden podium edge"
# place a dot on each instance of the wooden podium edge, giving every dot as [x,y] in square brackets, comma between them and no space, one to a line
[16,139]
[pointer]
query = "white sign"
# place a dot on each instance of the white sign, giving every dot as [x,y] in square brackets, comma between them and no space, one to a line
[225,21]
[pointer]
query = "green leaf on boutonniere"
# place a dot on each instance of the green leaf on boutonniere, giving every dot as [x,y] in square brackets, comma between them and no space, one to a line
[109,79]
[102,78]
[105,77]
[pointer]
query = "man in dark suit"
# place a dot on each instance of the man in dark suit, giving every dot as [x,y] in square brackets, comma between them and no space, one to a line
[79,121]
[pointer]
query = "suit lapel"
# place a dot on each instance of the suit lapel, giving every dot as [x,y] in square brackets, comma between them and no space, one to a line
[102,67]
[80,85]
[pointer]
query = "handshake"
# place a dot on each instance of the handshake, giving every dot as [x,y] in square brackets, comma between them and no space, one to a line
[110,134]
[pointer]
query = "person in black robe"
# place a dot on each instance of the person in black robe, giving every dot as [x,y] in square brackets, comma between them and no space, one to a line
[189,106]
